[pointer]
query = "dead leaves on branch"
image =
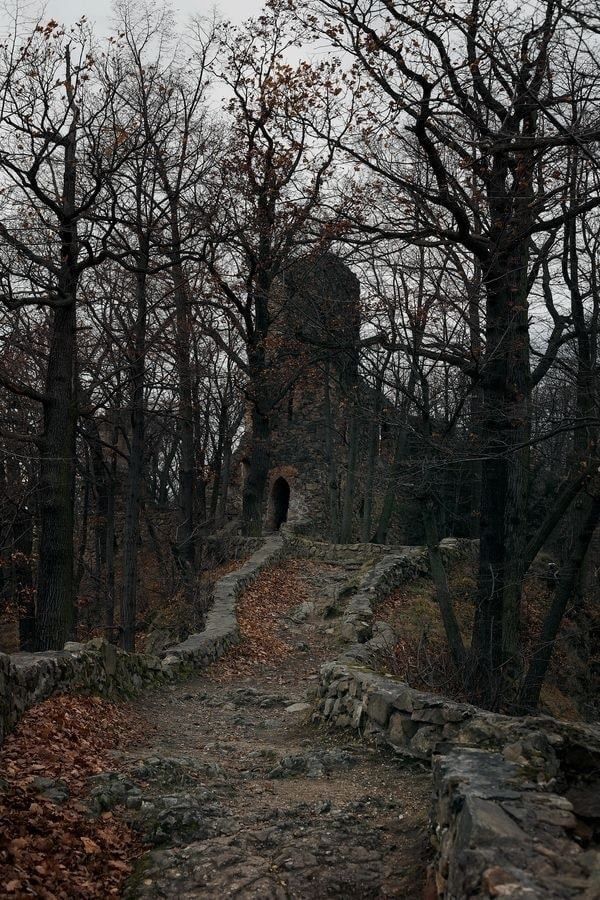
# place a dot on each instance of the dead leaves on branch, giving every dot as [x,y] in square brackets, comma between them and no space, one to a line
[58,851]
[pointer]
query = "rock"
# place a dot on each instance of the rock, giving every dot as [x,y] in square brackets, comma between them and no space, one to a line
[159,639]
[313,765]
[585,799]
[111,789]
[302,612]
[484,822]
[171,771]
[424,741]
[323,807]
[379,706]
[401,729]
[500,883]
[184,817]
[52,789]
[298,708]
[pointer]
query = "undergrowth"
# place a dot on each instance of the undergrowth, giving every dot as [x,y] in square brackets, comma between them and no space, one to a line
[422,659]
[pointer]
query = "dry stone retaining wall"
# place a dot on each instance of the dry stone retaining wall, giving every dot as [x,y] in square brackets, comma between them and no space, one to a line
[388,567]
[99,667]
[500,827]
[499,835]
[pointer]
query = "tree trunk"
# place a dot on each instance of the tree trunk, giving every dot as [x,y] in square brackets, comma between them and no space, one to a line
[225,480]
[372,452]
[136,458]
[332,477]
[350,485]
[83,539]
[54,619]
[54,605]
[187,468]
[109,582]
[563,594]
[438,574]
[255,483]
[389,499]
[219,459]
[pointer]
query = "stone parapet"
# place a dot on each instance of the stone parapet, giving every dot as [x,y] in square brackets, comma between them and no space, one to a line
[497,834]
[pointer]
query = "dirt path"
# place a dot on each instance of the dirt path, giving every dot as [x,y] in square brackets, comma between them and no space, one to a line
[243,797]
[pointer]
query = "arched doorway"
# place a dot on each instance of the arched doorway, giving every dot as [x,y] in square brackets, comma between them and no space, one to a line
[279,503]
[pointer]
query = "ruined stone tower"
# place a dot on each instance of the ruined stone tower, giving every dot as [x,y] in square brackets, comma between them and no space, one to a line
[319,323]
[333,440]
[315,322]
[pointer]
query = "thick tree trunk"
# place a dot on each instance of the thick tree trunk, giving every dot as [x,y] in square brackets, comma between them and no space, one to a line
[54,602]
[505,435]
[54,619]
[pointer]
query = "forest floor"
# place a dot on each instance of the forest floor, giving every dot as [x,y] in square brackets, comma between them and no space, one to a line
[219,786]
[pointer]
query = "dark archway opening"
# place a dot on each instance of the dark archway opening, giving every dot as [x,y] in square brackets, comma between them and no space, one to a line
[280,501]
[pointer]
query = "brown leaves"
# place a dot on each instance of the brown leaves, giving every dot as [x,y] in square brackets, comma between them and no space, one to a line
[259,610]
[58,851]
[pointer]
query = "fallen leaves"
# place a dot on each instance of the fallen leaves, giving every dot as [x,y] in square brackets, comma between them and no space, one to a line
[59,851]
[259,610]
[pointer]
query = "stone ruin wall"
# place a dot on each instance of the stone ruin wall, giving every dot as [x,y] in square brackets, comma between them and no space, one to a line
[509,793]
[506,798]
[101,668]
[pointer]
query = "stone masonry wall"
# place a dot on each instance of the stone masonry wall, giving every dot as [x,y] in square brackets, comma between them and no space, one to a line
[99,667]
[499,825]
[498,835]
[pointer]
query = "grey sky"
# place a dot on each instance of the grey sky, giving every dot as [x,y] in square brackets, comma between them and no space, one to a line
[99,11]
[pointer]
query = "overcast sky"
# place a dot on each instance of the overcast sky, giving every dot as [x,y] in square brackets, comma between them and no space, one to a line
[99,11]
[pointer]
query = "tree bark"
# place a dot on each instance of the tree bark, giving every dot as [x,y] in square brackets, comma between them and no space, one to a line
[54,603]
[136,457]
[442,591]
[255,484]
[350,484]
[372,452]
[187,468]
[332,476]
[567,582]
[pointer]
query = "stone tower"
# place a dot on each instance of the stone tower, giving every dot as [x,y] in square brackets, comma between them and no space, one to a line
[315,323]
